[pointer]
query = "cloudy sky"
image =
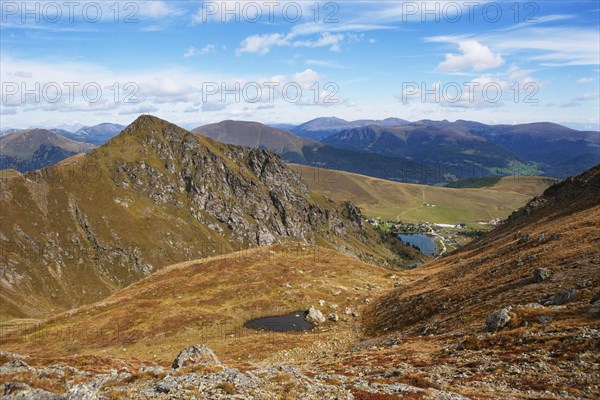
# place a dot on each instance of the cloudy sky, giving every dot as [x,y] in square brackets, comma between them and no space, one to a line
[81,63]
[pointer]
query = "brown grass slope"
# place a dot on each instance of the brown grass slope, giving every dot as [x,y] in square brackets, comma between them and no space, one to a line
[208,301]
[559,230]
[154,195]
[388,199]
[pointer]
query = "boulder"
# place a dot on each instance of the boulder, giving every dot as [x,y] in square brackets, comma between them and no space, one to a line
[315,316]
[563,296]
[497,320]
[197,354]
[542,274]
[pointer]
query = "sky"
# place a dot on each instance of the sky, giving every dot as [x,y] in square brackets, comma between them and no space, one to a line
[68,64]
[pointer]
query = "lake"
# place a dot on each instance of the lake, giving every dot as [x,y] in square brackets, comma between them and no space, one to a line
[425,243]
[283,323]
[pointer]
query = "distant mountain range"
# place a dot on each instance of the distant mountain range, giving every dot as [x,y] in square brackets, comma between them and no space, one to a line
[37,148]
[319,128]
[97,134]
[295,149]
[423,151]
[540,148]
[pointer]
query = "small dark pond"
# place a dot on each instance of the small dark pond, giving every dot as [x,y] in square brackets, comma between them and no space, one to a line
[283,323]
[425,243]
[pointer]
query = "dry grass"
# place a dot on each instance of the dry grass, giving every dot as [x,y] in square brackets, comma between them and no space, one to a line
[208,301]
[388,199]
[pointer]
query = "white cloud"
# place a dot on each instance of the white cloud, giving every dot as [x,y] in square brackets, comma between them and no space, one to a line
[157,9]
[548,46]
[192,51]
[306,78]
[585,80]
[261,44]
[474,55]
[325,40]
[587,96]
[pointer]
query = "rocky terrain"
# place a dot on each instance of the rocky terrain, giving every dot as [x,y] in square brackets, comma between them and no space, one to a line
[152,196]
[513,315]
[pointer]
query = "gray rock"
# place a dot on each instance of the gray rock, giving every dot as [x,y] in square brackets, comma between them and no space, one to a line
[333,317]
[197,354]
[498,319]
[595,298]
[563,296]
[315,316]
[542,274]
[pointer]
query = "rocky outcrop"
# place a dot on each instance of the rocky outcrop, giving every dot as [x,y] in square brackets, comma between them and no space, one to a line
[563,296]
[197,354]
[542,274]
[498,319]
[314,316]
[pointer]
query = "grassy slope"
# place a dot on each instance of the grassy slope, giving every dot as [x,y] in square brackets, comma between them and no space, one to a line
[205,301]
[42,204]
[387,199]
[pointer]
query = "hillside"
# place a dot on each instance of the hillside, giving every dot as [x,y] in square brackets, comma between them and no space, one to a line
[299,150]
[394,200]
[36,148]
[440,331]
[548,320]
[152,196]
[211,299]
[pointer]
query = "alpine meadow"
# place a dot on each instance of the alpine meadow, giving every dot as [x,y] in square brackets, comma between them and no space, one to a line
[317,200]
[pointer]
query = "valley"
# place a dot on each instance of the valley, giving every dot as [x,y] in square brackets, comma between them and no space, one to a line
[240,200]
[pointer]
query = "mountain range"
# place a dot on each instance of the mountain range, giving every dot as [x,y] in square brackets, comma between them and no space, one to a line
[154,195]
[295,149]
[96,134]
[512,315]
[320,128]
[37,148]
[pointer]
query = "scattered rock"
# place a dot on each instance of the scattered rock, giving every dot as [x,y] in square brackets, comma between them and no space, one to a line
[583,285]
[333,317]
[563,296]
[498,319]
[321,303]
[315,316]
[542,274]
[544,319]
[519,262]
[595,298]
[194,355]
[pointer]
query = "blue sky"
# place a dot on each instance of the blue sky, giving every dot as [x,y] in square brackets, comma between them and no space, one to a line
[198,62]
